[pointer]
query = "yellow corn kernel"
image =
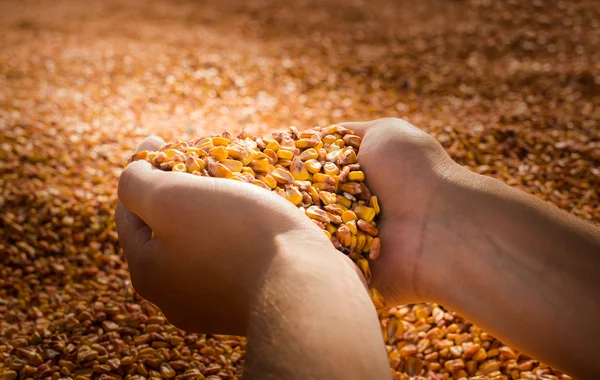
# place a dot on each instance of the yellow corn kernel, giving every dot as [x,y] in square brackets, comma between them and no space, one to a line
[365,213]
[238,177]
[367,246]
[271,155]
[204,142]
[285,154]
[330,168]
[327,234]
[313,165]
[344,201]
[375,248]
[377,298]
[329,139]
[357,176]
[233,165]
[395,328]
[172,153]
[361,240]
[352,226]
[316,213]
[246,169]
[293,195]
[327,198]
[192,151]
[364,268]
[351,188]
[355,256]
[151,156]
[268,180]
[321,186]
[282,176]
[348,156]
[320,177]
[344,236]
[180,167]
[193,165]
[299,170]
[273,145]
[353,243]
[216,169]
[220,141]
[314,194]
[353,140]
[348,216]
[260,183]
[305,143]
[287,143]
[339,142]
[333,155]
[271,168]
[309,154]
[260,165]
[331,228]
[374,203]
[219,153]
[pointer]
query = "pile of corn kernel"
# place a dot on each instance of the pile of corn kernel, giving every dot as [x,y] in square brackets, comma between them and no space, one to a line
[316,170]
[509,88]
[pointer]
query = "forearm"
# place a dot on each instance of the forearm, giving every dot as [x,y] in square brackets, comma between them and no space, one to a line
[520,268]
[314,320]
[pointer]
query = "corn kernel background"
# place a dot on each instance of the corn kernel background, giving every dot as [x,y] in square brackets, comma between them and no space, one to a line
[510,88]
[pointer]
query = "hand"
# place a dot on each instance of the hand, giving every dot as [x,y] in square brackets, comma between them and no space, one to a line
[406,168]
[216,242]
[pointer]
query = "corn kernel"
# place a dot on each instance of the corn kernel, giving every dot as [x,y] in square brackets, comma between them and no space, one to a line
[357,176]
[352,226]
[233,165]
[273,145]
[365,269]
[313,165]
[331,228]
[180,167]
[351,188]
[330,168]
[285,154]
[316,213]
[375,248]
[282,176]
[220,141]
[219,153]
[344,201]
[260,165]
[299,170]
[377,298]
[365,213]
[348,216]
[293,195]
[327,198]
[271,155]
[216,169]
[327,234]
[344,236]
[361,240]
[203,142]
[309,154]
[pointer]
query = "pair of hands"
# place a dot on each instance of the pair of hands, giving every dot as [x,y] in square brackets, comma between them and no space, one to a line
[217,240]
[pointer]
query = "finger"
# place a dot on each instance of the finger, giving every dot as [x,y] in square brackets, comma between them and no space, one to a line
[150,143]
[133,232]
[138,186]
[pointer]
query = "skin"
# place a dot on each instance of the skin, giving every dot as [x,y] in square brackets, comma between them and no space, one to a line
[518,267]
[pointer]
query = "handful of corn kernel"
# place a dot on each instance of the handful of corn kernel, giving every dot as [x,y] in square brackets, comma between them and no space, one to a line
[316,170]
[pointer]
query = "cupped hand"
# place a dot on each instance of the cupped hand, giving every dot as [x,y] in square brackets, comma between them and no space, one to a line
[406,168]
[215,242]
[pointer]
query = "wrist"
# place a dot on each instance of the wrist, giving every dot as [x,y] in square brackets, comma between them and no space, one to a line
[444,234]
